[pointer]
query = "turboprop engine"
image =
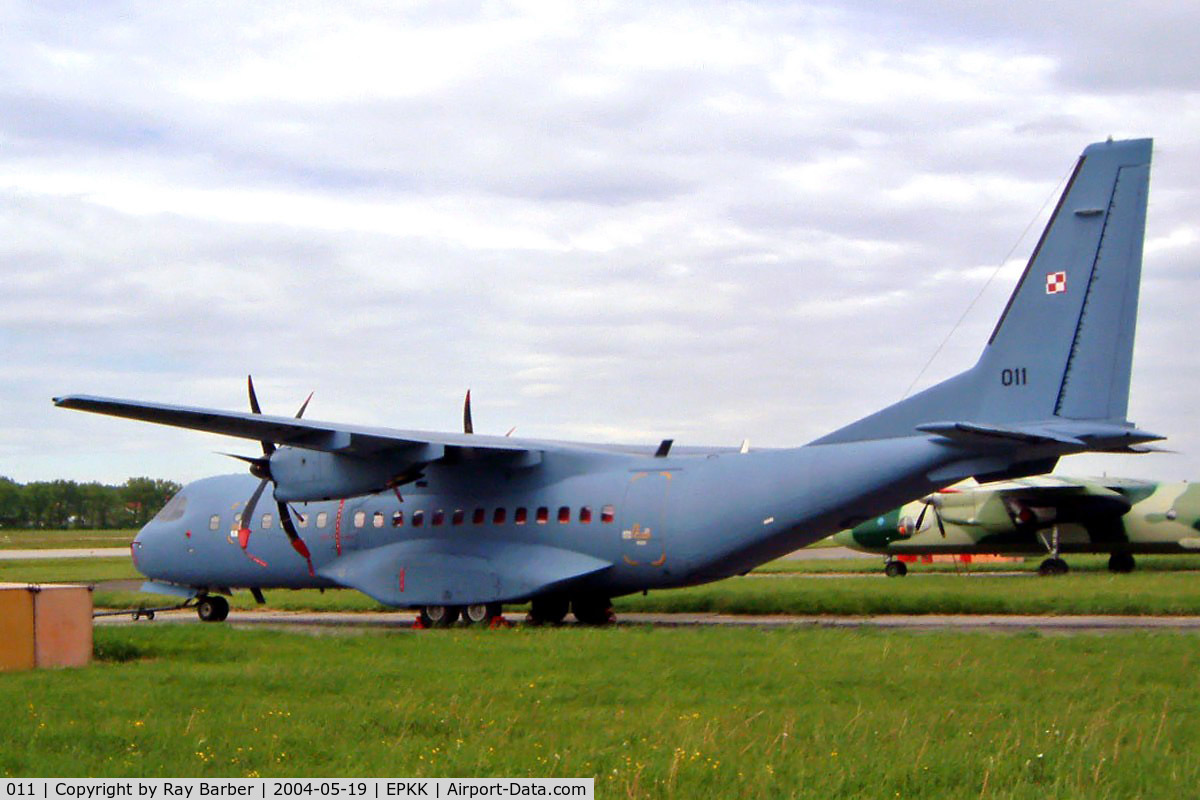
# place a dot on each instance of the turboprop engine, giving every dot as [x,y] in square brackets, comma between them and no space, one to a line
[301,475]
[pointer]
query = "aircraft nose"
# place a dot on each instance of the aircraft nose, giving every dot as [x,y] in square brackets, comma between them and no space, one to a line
[146,549]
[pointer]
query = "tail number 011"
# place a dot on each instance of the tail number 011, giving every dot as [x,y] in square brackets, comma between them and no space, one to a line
[1013,377]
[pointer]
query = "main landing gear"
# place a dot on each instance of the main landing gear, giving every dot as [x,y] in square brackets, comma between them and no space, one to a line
[212,608]
[895,569]
[588,610]
[445,616]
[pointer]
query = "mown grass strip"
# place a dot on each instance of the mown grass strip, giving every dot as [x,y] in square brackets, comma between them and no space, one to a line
[34,539]
[650,713]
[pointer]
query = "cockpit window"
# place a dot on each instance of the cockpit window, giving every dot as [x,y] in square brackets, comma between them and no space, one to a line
[173,510]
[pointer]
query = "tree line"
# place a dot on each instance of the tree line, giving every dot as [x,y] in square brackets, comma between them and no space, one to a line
[67,504]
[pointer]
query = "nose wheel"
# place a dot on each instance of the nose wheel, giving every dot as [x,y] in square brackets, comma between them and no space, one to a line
[212,608]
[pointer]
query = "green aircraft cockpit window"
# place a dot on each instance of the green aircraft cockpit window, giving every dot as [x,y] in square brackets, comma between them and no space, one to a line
[377,519]
[173,510]
[214,522]
[398,519]
[322,519]
[585,515]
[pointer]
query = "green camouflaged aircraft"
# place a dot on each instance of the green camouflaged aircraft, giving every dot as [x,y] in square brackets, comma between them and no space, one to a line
[1047,515]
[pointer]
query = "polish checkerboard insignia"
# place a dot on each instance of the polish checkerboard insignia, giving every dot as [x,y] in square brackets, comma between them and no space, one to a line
[1056,282]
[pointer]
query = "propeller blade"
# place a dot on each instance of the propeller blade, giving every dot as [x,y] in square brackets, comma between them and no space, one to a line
[468,425]
[248,514]
[285,518]
[304,406]
[268,447]
[920,518]
[254,407]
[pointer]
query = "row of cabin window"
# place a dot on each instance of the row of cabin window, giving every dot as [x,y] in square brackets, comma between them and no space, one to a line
[457,517]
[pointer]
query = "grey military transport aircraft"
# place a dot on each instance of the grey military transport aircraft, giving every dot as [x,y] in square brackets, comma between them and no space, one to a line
[458,523]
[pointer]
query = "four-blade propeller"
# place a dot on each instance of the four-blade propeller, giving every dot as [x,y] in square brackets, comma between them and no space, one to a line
[261,468]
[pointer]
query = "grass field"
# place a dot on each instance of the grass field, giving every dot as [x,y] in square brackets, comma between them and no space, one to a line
[25,539]
[1148,593]
[671,713]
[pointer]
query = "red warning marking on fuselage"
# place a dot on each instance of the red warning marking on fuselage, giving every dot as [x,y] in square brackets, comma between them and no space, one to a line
[401,576]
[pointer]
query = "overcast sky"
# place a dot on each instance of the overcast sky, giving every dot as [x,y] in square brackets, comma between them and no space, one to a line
[612,221]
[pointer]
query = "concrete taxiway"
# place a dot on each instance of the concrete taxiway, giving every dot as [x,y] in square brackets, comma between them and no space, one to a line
[78,552]
[403,621]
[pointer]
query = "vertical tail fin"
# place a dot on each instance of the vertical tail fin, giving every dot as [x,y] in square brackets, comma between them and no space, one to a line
[1064,345]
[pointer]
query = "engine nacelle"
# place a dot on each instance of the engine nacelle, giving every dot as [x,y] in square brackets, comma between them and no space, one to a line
[302,475]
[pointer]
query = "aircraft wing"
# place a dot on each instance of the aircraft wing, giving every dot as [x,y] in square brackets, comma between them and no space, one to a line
[460,572]
[1069,498]
[310,434]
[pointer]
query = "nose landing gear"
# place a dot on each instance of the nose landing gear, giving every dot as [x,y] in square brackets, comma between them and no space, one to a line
[212,608]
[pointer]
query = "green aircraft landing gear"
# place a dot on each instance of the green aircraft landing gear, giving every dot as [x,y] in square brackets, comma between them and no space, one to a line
[895,569]
[1053,566]
[212,608]
[439,616]
[1121,563]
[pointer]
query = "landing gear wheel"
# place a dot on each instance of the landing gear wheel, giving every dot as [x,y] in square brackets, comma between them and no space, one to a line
[895,569]
[212,608]
[1053,566]
[482,613]
[439,616]
[1121,563]
[550,610]
[593,610]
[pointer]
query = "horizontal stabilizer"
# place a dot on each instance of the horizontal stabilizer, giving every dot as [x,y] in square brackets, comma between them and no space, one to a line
[973,433]
[1077,434]
[440,572]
